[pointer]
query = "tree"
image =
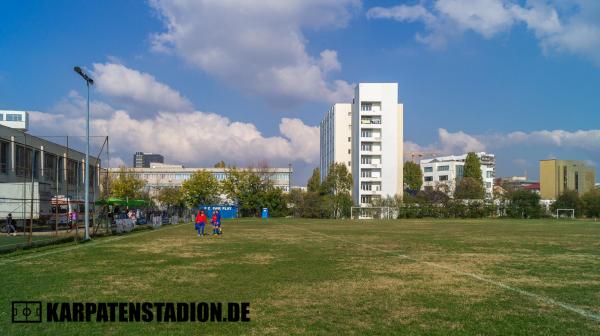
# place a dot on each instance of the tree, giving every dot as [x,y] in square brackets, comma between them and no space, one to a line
[568,200]
[523,204]
[126,186]
[247,189]
[171,197]
[472,167]
[201,188]
[220,164]
[314,182]
[337,187]
[591,203]
[469,188]
[413,176]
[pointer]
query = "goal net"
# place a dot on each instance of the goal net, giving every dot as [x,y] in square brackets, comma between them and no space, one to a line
[570,213]
[372,213]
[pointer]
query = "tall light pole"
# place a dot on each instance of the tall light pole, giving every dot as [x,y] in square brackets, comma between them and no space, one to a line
[88,81]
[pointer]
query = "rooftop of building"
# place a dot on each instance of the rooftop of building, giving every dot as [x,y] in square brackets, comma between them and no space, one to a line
[456,158]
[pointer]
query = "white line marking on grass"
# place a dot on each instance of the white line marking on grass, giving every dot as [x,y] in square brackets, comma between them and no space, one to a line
[92,244]
[545,299]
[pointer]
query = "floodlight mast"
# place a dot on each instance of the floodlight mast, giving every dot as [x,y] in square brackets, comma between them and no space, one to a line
[88,81]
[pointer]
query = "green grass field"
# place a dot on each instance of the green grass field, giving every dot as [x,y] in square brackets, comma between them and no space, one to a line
[434,277]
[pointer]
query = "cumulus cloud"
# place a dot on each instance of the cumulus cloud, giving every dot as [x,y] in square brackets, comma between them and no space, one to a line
[571,26]
[460,142]
[258,47]
[184,135]
[119,81]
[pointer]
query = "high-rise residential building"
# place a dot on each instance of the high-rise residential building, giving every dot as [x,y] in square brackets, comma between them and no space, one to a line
[558,176]
[367,136]
[336,135]
[143,160]
[445,172]
[377,142]
[15,119]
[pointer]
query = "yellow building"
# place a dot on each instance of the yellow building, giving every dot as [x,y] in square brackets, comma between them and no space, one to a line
[557,176]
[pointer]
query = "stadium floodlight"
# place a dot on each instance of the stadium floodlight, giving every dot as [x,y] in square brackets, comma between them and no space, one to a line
[88,81]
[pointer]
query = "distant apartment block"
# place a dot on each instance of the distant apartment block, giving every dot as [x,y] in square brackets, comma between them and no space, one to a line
[18,120]
[336,134]
[143,160]
[558,176]
[447,171]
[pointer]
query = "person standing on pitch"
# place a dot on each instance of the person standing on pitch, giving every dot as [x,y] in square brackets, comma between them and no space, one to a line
[213,221]
[200,222]
[219,231]
[10,228]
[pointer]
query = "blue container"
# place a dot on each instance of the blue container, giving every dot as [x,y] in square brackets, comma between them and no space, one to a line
[227,211]
[265,213]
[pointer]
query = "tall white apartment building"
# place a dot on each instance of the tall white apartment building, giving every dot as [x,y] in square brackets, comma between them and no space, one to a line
[336,145]
[377,142]
[448,171]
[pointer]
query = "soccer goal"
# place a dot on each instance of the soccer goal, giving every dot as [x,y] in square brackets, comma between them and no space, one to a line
[570,213]
[372,212]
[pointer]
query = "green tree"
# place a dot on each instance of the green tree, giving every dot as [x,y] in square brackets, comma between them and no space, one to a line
[523,204]
[246,188]
[413,176]
[314,182]
[171,198]
[220,164]
[126,186]
[591,203]
[201,188]
[568,200]
[472,167]
[469,188]
[337,187]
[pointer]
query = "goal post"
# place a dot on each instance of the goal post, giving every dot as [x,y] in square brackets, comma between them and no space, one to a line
[568,211]
[372,212]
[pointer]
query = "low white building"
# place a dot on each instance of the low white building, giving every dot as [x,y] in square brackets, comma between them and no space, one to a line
[18,120]
[446,171]
[160,176]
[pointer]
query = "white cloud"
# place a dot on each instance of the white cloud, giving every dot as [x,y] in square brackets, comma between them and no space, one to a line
[258,47]
[183,135]
[571,26]
[461,142]
[119,81]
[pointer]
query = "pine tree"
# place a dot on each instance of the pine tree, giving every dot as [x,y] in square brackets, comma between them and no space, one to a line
[314,182]
[413,176]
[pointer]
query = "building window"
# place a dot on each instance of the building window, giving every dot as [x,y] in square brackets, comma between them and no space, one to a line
[23,161]
[443,177]
[365,199]
[460,172]
[443,168]
[1,117]
[577,181]
[488,185]
[366,133]
[365,160]
[428,178]
[366,106]
[349,139]
[365,173]
[4,157]
[348,151]
[365,186]
[14,117]
[427,169]
[565,184]
[489,174]
[366,147]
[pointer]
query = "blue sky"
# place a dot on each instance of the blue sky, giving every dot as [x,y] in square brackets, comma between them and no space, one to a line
[244,82]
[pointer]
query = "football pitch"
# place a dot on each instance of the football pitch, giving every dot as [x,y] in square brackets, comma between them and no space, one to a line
[301,276]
